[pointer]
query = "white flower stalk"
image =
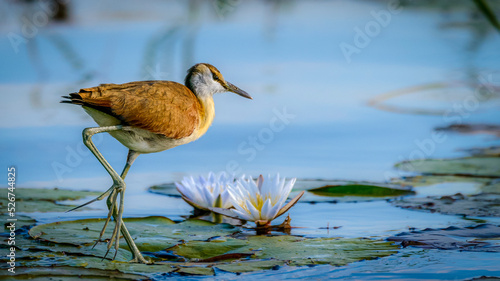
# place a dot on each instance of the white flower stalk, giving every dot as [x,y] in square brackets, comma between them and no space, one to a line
[259,201]
[204,193]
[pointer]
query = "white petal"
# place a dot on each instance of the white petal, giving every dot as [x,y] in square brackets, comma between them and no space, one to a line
[241,209]
[253,211]
[207,197]
[184,190]
[274,211]
[288,187]
[226,202]
[265,212]
[243,215]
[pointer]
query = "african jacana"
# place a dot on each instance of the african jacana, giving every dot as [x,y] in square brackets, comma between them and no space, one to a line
[146,117]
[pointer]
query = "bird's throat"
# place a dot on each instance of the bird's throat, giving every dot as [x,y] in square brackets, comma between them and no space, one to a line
[208,114]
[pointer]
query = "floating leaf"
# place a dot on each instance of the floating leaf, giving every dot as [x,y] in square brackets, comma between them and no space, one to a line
[251,265]
[153,233]
[296,250]
[21,221]
[484,151]
[42,200]
[304,251]
[426,180]
[346,191]
[37,259]
[359,190]
[472,129]
[480,205]
[67,273]
[472,238]
[168,189]
[492,187]
[195,270]
[469,166]
[207,249]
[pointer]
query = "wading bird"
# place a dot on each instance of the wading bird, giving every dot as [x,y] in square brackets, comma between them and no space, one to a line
[147,117]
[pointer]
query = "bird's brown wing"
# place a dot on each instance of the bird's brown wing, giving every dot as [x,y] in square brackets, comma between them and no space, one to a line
[161,107]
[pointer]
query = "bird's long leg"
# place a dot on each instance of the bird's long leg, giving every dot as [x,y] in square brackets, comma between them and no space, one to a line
[118,187]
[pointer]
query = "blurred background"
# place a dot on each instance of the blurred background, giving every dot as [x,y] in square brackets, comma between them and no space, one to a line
[342,89]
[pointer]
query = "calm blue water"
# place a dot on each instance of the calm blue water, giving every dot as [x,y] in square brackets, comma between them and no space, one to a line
[289,56]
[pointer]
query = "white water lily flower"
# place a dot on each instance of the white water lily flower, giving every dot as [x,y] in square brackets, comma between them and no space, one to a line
[260,201]
[203,193]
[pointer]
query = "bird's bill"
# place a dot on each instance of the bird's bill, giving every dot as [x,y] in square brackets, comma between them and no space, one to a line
[232,88]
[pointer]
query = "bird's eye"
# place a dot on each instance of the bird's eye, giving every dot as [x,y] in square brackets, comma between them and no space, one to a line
[215,77]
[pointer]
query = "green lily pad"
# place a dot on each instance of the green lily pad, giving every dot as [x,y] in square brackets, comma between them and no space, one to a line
[168,189]
[472,129]
[152,233]
[36,259]
[483,237]
[251,265]
[29,200]
[207,249]
[491,187]
[205,245]
[480,205]
[359,190]
[68,273]
[426,180]
[457,183]
[484,151]
[468,166]
[25,243]
[20,221]
[195,270]
[294,250]
[303,251]
[346,191]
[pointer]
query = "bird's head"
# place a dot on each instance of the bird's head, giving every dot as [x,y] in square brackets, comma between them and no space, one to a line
[205,79]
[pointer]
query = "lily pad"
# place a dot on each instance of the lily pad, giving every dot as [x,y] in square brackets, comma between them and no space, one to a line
[207,249]
[359,190]
[346,191]
[37,259]
[480,205]
[296,251]
[20,221]
[68,273]
[468,166]
[456,184]
[251,265]
[426,180]
[168,189]
[483,237]
[492,187]
[29,200]
[153,233]
[304,251]
[484,151]
[472,129]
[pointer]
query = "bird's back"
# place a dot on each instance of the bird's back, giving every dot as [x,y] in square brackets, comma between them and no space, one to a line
[159,115]
[161,107]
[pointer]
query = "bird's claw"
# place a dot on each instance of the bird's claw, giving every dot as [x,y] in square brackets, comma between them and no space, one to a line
[115,236]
